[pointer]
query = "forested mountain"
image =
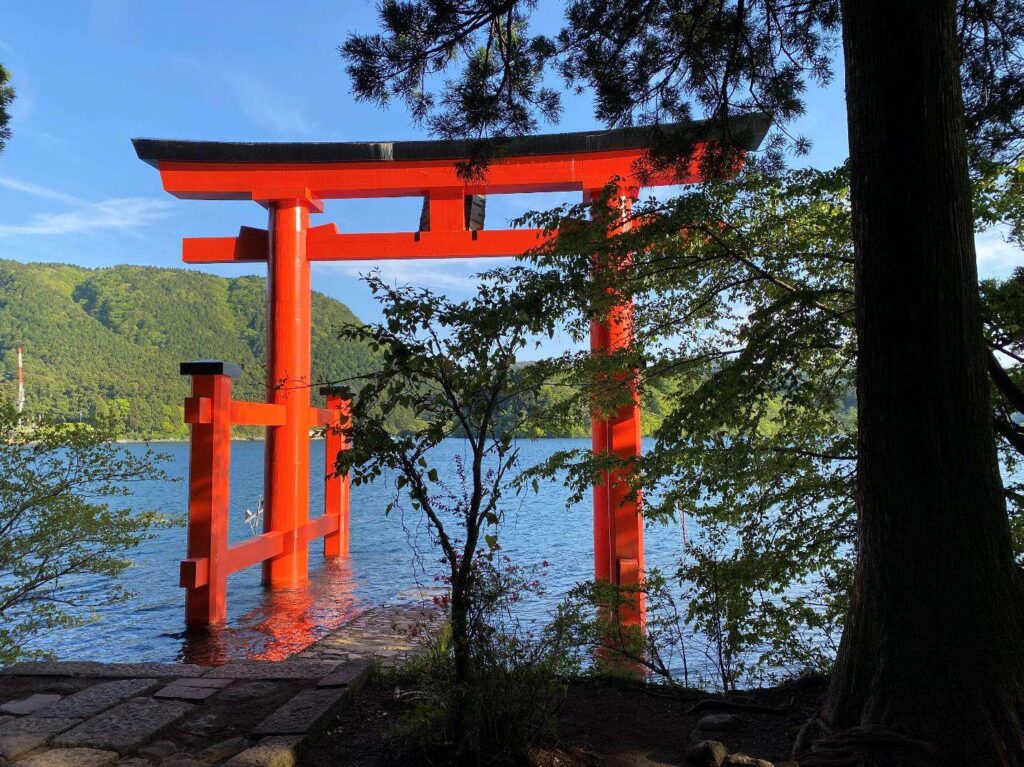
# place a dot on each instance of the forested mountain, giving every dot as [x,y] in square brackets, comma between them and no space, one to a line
[102,339]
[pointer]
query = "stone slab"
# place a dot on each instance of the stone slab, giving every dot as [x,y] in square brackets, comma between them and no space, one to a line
[95,669]
[126,726]
[205,724]
[222,750]
[178,691]
[99,697]
[246,690]
[391,633]
[16,746]
[265,669]
[269,752]
[69,757]
[192,688]
[28,705]
[419,593]
[36,724]
[214,682]
[352,673]
[303,713]
[20,736]
[159,749]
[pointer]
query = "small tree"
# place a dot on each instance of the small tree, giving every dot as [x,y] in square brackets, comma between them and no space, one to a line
[57,530]
[456,371]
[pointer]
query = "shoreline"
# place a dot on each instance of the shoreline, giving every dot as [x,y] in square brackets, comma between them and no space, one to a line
[184,440]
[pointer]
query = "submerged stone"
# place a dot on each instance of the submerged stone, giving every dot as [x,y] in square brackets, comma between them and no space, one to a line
[29,705]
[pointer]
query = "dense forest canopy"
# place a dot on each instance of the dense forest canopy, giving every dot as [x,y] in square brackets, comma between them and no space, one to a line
[108,341]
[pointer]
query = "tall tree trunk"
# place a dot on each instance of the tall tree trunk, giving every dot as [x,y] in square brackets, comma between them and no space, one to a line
[931,665]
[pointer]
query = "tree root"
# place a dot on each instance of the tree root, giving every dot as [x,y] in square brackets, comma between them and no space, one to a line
[864,746]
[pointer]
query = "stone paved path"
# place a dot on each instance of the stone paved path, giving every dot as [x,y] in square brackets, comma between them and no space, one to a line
[389,633]
[241,714]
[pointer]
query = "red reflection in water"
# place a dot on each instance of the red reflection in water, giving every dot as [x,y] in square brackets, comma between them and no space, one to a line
[285,622]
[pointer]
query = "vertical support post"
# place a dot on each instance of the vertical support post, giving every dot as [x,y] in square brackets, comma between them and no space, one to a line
[447,209]
[208,411]
[286,472]
[336,487]
[618,521]
[603,570]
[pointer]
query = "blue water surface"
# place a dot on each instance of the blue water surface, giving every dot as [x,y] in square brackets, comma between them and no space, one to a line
[388,554]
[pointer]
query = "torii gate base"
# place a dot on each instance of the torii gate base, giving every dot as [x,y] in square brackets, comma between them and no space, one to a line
[211,412]
[290,180]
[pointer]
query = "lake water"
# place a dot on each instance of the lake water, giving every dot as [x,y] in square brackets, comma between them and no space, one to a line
[387,556]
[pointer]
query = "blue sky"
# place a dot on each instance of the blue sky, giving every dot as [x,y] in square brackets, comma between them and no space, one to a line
[92,74]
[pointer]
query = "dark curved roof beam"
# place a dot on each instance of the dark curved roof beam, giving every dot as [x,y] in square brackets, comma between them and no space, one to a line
[744,131]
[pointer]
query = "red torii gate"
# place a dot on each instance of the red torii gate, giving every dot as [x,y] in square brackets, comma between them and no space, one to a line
[291,180]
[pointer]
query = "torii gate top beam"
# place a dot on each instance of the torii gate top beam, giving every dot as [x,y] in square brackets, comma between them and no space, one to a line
[312,172]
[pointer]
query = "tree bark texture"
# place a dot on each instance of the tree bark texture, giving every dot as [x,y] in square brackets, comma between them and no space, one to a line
[931,664]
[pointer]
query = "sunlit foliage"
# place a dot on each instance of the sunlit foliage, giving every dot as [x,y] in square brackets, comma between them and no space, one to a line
[65,536]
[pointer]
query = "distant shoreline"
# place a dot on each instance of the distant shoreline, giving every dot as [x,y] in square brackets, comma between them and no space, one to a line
[169,440]
[182,440]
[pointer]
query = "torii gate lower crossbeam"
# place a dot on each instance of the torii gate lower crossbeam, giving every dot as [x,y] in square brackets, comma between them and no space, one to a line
[291,180]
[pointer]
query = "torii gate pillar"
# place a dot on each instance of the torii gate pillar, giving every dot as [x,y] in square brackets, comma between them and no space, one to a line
[288,360]
[618,521]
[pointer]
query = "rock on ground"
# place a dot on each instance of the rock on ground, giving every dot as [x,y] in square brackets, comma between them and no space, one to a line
[69,757]
[28,705]
[707,753]
[269,752]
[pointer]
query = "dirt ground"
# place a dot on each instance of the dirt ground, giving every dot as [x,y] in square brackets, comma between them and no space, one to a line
[606,723]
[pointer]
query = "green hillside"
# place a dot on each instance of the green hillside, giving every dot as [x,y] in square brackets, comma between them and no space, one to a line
[103,339]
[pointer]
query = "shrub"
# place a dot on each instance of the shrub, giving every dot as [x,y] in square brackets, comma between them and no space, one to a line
[517,678]
[57,530]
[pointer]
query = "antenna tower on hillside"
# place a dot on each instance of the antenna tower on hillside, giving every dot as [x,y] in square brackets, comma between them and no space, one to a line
[21,382]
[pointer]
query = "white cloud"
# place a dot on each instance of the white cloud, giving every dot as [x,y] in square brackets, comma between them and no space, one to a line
[267,107]
[454,275]
[272,109]
[996,256]
[122,214]
[27,187]
[118,214]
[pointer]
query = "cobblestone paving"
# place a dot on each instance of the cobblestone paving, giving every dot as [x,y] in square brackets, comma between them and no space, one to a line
[242,714]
